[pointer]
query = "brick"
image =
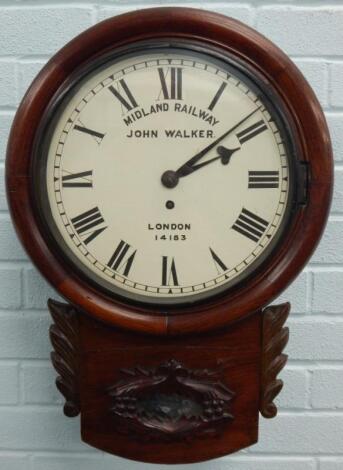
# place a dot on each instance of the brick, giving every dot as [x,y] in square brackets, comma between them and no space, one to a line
[325,283]
[14,462]
[28,70]
[302,434]
[39,384]
[159,2]
[90,462]
[9,385]
[335,123]
[241,462]
[5,125]
[108,11]
[331,464]
[255,463]
[45,29]
[336,85]
[39,429]
[8,95]
[24,336]
[296,294]
[36,290]
[10,248]
[315,72]
[303,31]
[240,12]
[337,201]
[3,200]
[327,388]
[330,249]
[10,288]
[294,393]
[312,339]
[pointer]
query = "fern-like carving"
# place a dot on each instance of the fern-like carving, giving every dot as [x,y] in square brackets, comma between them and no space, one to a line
[275,339]
[64,338]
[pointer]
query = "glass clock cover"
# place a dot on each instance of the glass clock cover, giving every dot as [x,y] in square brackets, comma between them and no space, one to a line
[166,174]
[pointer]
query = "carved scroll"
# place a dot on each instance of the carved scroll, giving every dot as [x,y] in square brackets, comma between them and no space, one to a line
[170,402]
[64,337]
[275,339]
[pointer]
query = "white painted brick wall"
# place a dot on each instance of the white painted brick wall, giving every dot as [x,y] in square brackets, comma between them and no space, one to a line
[304,30]
[308,433]
[9,390]
[42,29]
[331,464]
[324,395]
[336,90]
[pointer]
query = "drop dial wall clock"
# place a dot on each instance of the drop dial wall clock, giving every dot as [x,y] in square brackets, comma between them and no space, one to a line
[169,172]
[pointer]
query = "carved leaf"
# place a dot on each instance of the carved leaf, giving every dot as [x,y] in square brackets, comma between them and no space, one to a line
[64,337]
[275,339]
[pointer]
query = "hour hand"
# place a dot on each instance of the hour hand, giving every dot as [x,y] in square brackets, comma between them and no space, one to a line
[170,178]
[225,154]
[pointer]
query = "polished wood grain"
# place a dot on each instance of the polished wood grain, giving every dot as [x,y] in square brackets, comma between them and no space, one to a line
[310,136]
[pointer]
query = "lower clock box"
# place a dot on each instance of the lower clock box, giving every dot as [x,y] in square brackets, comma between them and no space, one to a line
[138,394]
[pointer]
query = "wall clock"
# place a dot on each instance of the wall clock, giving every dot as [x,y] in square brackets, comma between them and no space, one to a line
[169,172]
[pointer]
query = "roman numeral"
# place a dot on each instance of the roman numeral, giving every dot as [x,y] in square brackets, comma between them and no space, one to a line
[78,180]
[251,131]
[263,179]
[217,96]
[98,136]
[85,222]
[250,225]
[126,98]
[121,260]
[220,266]
[169,275]
[173,89]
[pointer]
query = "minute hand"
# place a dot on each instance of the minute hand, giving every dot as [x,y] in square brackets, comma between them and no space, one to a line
[188,167]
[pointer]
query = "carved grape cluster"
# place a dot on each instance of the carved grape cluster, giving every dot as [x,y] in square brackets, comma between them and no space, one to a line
[125,406]
[214,409]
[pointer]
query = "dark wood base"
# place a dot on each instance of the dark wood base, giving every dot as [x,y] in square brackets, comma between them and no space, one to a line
[169,399]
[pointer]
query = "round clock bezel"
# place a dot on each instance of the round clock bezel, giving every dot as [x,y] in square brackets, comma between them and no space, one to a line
[308,128]
[43,140]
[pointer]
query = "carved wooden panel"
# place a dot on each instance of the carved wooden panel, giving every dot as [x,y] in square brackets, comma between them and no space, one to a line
[170,402]
[275,339]
[140,393]
[64,336]
[172,399]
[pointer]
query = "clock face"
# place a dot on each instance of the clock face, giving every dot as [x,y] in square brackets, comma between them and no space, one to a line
[165,176]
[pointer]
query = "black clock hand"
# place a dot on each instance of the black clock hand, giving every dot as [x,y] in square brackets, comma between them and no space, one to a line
[186,168]
[224,154]
[170,178]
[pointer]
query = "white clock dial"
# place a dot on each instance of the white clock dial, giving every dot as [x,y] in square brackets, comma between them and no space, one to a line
[167,176]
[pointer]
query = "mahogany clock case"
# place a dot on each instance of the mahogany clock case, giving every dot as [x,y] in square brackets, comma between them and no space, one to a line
[215,372]
[301,118]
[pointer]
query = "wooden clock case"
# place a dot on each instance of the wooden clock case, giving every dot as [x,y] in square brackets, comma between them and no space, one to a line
[173,385]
